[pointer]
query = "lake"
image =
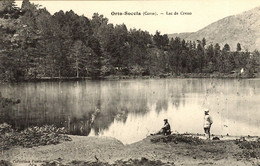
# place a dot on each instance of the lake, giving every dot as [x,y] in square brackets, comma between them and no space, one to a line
[129,110]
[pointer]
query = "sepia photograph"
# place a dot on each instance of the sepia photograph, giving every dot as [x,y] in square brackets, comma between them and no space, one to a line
[129,83]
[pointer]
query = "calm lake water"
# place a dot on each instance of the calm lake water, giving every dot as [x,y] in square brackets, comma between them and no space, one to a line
[129,110]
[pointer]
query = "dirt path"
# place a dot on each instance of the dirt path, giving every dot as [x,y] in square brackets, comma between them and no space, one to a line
[106,149]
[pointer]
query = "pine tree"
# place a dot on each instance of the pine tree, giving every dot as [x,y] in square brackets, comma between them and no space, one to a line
[79,54]
[8,9]
[238,47]
[203,42]
[226,47]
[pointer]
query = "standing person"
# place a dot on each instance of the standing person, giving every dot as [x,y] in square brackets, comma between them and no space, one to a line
[207,123]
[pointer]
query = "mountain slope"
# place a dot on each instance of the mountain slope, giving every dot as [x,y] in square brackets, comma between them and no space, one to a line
[243,28]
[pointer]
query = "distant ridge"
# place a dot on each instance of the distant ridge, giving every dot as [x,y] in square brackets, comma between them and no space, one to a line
[243,28]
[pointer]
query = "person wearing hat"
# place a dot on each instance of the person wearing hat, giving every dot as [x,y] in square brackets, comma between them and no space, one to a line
[165,130]
[207,123]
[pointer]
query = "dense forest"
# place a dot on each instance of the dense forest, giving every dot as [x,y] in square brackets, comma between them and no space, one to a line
[35,45]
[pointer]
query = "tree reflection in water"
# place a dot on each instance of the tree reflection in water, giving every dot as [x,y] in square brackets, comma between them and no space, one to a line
[80,107]
[86,106]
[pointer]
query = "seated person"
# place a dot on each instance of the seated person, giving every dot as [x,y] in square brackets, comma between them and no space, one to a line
[165,130]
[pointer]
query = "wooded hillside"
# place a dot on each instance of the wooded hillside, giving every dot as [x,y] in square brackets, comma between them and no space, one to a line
[35,44]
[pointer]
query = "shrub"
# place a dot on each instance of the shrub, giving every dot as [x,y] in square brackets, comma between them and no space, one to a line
[178,138]
[32,136]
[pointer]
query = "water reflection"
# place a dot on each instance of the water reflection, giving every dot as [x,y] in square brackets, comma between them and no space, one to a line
[130,110]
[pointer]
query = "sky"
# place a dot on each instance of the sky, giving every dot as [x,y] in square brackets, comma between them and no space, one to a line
[201,12]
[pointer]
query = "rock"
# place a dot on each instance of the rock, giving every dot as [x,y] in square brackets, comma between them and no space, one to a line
[215,138]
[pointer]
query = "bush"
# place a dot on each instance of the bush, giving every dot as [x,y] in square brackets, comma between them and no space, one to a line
[46,135]
[32,136]
[5,163]
[251,149]
[178,138]
[5,128]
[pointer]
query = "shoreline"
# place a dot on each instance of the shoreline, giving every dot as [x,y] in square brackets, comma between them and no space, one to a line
[110,150]
[127,77]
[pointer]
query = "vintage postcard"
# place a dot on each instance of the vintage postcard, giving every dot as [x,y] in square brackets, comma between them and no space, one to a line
[129,83]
